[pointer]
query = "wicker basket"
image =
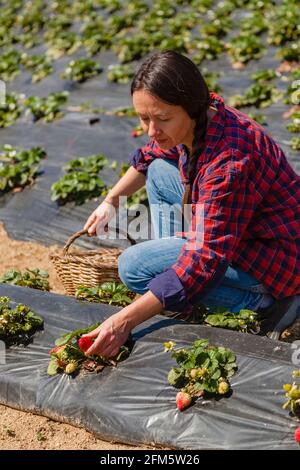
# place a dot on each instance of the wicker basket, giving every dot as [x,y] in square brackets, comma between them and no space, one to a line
[88,268]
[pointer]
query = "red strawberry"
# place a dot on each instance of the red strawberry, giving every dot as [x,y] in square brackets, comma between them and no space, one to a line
[85,342]
[134,133]
[183,400]
[297,435]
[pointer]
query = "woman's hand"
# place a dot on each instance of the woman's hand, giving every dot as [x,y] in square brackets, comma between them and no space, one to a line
[110,336]
[114,331]
[98,220]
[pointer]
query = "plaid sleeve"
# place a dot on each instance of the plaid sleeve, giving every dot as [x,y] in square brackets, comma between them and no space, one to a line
[142,157]
[225,206]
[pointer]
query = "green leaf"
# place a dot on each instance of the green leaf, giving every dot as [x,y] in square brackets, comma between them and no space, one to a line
[176,377]
[63,340]
[52,367]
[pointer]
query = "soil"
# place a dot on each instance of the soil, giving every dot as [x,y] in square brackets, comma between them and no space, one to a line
[22,430]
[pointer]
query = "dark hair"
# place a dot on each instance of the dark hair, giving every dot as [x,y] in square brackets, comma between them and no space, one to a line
[175,79]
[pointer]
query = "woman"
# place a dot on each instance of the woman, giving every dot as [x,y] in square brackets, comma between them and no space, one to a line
[243,250]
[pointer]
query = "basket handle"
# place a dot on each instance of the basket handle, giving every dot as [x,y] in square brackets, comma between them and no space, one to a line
[84,232]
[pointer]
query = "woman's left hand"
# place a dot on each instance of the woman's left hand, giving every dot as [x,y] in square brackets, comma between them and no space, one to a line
[110,336]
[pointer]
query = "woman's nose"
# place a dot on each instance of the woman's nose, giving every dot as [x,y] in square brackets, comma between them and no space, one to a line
[153,130]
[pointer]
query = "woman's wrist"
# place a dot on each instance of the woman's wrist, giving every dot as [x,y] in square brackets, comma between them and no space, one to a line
[112,200]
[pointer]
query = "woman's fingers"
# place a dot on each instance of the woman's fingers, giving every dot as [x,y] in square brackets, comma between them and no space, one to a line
[110,351]
[101,342]
[92,334]
[89,221]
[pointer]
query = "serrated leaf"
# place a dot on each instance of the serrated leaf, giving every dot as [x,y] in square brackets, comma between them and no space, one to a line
[52,367]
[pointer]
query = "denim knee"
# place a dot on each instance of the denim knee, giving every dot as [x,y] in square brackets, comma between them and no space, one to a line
[158,169]
[129,264]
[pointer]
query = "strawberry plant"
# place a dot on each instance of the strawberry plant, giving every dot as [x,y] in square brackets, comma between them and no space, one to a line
[292,94]
[111,6]
[211,80]
[10,110]
[19,168]
[95,36]
[294,126]
[81,181]
[207,48]
[68,356]
[48,108]
[7,37]
[66,42]
[265,75]
[120,73]
[131,48]
[56,25]
[260,118]
[295,143]
[242,49]
[179,43]
[243,321]
[17,324]
[28,40]
[117,23]
[283,23]
[140,196]
[32,18]
[112,293]
[290,53]
[183,21]
[260,95]
[39,65]
[164,9]
[128,112]
[217,27]
[202,370]
[81,70]
[254,24]
[34,278]
[292,393]
[10,65]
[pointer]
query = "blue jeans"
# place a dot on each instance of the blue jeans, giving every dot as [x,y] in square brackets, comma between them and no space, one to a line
[140,263]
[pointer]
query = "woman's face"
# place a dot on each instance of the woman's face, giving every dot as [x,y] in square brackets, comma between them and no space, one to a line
[167,124]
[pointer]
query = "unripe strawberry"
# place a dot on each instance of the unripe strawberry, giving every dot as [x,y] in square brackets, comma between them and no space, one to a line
[223,387]
[70,368]
[194,373]
[294,394]
[85,342]
[183,400]
[297,435]
[202,371]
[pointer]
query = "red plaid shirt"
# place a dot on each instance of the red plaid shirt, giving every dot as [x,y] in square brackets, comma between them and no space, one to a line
[251,200]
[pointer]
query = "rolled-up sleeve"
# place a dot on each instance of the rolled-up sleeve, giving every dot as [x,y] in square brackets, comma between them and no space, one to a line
[141,158]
